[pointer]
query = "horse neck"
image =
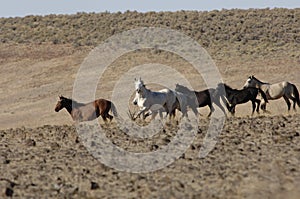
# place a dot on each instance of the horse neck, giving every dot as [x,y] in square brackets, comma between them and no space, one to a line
[145,92]
[260,83]
[69,107]
[229,90]
[72,105]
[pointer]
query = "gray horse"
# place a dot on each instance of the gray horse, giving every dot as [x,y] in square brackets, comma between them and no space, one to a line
[275,91]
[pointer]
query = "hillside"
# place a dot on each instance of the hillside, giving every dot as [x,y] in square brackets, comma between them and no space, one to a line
[242,32]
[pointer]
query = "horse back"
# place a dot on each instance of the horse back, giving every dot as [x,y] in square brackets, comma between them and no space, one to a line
[102,105]
[277,90]
[203,97]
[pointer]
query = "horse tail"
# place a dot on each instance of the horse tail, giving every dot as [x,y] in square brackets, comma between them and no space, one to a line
[263,95]
[296,94]
[114,110]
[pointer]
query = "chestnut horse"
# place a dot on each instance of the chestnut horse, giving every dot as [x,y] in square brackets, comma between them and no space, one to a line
[86,112]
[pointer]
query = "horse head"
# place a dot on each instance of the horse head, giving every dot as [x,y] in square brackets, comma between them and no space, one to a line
[62,102]
[59,104]
[250,82]
[139,84]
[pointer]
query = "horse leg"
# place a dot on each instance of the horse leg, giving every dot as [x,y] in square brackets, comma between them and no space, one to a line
[172,114]
[142,111]
[231,109]
[195,111]
[253,106]
[104,117]
[154,113]
[160,114]
[258,104]
[287,102]
[184,112]
[263,107]
[147,114]
[212,109]
[218,103]
[294,105]
[294,102]
[110,117]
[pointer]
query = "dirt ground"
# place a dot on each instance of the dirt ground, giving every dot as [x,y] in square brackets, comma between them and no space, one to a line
[43,157]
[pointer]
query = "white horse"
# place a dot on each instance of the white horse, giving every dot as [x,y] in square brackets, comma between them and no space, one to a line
[275,91]
[154,101]
[164,100]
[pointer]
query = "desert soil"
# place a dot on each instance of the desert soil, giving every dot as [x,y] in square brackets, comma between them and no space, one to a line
[42,156]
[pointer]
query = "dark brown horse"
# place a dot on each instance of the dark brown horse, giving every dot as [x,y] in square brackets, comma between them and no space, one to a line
[235,97]
[204,98]
[86,112]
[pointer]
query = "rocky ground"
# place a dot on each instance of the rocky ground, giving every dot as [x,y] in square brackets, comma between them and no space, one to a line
[254,157]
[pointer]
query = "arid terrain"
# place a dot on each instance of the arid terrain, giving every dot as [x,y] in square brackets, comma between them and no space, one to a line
[42,156]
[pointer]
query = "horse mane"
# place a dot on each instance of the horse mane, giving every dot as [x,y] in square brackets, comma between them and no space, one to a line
[146,87]
[73,102]
[227,87]
[252,77]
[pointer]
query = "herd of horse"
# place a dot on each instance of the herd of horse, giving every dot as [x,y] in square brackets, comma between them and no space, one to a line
[151,103]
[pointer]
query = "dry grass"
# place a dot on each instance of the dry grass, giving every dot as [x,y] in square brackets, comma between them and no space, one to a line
[252,32]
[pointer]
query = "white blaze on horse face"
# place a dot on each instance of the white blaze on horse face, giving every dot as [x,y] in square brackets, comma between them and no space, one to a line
[248,83]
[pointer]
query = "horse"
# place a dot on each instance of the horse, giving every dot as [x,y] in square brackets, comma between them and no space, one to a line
[275,91]
[155,101]
[203,97]
[81,112]
[180,104]
[235,96]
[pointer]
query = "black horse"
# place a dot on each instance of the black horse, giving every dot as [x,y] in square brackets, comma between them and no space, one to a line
[203,98]
[235,96]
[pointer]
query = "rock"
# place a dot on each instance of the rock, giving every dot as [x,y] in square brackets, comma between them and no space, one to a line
[7,161]
[30,142]
[9,192]
[94,185]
